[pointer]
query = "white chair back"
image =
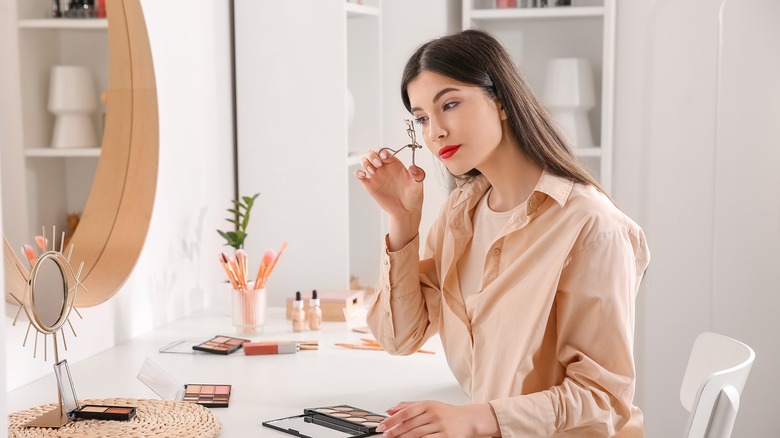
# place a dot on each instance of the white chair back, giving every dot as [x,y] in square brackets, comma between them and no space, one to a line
[711,389]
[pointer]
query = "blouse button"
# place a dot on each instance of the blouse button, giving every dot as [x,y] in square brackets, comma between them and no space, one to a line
[496,252]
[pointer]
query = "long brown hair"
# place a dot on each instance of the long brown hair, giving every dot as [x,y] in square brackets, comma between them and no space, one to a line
[475,57]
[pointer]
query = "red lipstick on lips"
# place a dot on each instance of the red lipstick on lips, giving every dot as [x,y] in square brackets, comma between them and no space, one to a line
[448,151]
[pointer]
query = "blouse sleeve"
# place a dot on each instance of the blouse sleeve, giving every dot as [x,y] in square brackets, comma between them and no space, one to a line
[406,311]
[594,311]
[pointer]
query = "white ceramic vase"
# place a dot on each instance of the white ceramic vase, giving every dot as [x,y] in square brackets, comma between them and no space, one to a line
[569,94]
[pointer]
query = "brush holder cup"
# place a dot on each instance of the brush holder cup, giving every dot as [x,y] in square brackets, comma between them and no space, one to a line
[249,310]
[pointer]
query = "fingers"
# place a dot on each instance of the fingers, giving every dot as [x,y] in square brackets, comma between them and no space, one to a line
[418,174]
[370,163]
[403,417]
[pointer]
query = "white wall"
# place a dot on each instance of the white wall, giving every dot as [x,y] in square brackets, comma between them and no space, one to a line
[696,153]
[178,270]
[407,24]
[292,137]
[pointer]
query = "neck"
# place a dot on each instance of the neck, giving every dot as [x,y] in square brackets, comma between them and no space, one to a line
[512,175]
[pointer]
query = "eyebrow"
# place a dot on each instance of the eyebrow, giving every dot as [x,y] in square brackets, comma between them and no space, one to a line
[437,96]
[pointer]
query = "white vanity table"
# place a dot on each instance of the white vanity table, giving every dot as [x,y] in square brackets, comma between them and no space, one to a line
[265,387]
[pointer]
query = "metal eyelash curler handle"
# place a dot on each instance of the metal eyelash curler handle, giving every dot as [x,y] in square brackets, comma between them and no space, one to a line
[413,145]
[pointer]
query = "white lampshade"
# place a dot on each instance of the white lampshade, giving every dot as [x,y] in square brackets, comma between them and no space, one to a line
[73,101]
[569,94]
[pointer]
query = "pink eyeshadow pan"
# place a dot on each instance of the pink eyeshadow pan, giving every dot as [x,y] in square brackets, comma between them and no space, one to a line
[340,414]
[371,423]
[223,390]
[93,409]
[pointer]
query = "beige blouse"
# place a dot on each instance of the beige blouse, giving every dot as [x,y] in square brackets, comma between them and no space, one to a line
[548,341]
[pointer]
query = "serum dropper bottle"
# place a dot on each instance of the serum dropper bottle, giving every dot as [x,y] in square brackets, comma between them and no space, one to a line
[315,313]
[298,315]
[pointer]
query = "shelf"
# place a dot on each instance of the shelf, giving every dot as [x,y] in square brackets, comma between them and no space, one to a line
[65,23]
[62,153]
[537,13]
[355,10]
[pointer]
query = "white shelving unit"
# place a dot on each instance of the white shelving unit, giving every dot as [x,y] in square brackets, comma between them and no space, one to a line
[55,182]
[534,36]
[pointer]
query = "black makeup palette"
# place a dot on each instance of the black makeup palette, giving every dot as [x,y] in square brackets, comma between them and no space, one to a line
[211,396]
[220,345]
[70,403]
[342,420]
[98,412]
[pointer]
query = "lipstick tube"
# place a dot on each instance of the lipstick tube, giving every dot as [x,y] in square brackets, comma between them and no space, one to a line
[255,348]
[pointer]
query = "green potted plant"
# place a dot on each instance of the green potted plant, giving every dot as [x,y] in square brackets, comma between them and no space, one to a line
[240,211]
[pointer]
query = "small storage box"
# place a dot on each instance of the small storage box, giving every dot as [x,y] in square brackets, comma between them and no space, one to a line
[332,303]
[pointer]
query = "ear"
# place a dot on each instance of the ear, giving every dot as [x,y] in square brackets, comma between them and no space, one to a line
[501,110]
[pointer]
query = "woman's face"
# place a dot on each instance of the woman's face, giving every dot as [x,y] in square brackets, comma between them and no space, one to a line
[460,124]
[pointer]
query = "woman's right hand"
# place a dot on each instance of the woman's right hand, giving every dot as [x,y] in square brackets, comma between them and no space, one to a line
[397,190]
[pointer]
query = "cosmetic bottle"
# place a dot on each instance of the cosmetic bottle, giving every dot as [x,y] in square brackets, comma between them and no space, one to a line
[314,315]
[298,315]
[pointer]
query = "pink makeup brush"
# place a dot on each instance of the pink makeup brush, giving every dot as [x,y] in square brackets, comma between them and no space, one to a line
[223,260]
[268,258]
[241,261]
[273,263]
[41,242]
[29,253]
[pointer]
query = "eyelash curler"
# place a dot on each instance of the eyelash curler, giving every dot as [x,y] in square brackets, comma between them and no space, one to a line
[413,145]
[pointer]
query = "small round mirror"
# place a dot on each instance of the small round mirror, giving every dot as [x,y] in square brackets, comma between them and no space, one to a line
[50,298]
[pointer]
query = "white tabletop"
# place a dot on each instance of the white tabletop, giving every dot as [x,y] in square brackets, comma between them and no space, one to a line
[265,387]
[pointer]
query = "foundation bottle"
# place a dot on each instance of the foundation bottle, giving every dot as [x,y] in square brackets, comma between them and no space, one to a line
[298,315]
[314,313]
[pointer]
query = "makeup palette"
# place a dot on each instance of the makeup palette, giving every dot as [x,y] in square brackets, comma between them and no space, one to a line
[97,412]
[343,420]
[168,388]
[220,345]
[211,396]
[70,403]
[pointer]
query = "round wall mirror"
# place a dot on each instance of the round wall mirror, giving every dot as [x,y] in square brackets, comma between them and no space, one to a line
[116,217]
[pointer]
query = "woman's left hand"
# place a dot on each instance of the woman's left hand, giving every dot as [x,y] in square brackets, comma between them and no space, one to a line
[437,419]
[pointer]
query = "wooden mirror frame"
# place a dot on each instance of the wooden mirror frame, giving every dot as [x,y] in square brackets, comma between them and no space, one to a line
[116,218]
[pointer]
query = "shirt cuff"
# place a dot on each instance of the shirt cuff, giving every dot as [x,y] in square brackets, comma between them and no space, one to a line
[525,415]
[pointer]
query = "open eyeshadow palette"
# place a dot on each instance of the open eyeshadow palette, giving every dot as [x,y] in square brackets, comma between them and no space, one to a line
[168,388]
[220,345]
[212,396]
[329,421]
[96,412]
[70,403]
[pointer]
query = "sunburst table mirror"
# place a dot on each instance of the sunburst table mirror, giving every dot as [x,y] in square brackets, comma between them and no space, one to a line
[47,301]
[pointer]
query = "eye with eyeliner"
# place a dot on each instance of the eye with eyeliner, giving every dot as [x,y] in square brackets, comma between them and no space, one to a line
[450,105]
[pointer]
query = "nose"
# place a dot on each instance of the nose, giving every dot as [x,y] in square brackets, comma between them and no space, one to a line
[436,131]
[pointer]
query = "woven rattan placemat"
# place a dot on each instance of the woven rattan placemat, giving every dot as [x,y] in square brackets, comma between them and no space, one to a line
[153,418]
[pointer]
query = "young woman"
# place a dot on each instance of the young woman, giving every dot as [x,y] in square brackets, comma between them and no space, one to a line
[529,273]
